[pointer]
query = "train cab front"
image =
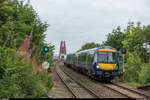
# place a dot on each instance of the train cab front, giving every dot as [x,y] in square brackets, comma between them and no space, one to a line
[107,64]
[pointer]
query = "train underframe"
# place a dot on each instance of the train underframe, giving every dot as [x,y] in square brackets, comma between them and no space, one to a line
[97,75]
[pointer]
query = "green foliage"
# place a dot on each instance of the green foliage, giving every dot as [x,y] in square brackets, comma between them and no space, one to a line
[89,46]
[133,67]
[133,36]
[5,11]
[136,36]
[144,75]
[115,38]
[50,57]
[137,72]
[18,19]
[18,80]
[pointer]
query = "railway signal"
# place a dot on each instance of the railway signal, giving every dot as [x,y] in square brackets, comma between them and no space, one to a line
[123,50]
[45,64]
[45,49]
[123,61]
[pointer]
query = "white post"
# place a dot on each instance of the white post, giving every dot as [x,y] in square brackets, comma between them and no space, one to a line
[45,56]
[123,69]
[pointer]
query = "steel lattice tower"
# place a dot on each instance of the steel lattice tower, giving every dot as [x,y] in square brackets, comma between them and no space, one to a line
[62,52]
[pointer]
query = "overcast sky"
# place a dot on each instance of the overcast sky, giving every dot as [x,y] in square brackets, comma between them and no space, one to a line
[81,21]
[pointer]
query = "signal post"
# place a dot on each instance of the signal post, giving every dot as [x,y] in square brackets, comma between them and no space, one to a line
[45,64]
[123,62]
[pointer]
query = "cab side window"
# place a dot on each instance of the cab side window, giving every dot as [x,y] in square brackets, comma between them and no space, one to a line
[95,58]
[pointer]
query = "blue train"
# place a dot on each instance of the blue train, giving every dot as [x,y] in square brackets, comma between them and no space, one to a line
[100,63]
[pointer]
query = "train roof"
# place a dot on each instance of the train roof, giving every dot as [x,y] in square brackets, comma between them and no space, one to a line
[94,49]
[91,51]
[88,50]
[106,47]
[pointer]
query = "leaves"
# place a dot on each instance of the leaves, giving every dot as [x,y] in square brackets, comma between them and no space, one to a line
[115,38]
[20,22]
[89,46]
[18,80]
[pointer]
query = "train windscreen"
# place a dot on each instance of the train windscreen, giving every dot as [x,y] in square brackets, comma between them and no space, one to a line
[107,57]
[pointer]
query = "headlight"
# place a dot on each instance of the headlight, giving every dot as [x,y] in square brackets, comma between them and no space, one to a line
[97,67]
[116,68]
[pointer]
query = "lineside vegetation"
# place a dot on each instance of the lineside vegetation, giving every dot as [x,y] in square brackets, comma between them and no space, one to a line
[18,79]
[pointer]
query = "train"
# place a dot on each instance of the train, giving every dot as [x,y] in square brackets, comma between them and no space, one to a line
[98,63]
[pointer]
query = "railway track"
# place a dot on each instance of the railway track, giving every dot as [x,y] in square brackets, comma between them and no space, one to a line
[96,89]
[123,92]
[76,89]
[141,93]
[89,90]
[146,87]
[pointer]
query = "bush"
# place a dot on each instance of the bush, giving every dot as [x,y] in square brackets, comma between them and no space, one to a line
[137,72]
[45,81]
[132,67]
[144,76]
[17,78]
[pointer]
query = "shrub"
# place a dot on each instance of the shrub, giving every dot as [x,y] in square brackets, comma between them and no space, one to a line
[45,81]
[132,67]
[17,78]
[144,76]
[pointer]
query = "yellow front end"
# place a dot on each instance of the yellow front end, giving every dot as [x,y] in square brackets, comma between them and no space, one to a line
[107,66]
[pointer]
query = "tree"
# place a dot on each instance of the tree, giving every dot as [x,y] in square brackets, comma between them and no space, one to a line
[5,11]
[89,46]
[115,38]
[17,19]
[136,36]
[18,76]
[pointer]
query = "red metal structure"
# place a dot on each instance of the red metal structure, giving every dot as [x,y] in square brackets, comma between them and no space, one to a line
[62,52]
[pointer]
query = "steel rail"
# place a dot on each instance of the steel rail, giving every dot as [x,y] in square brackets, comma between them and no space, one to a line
[134,91]
[90,91]
[128,92]
[76,82]
[65,84]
